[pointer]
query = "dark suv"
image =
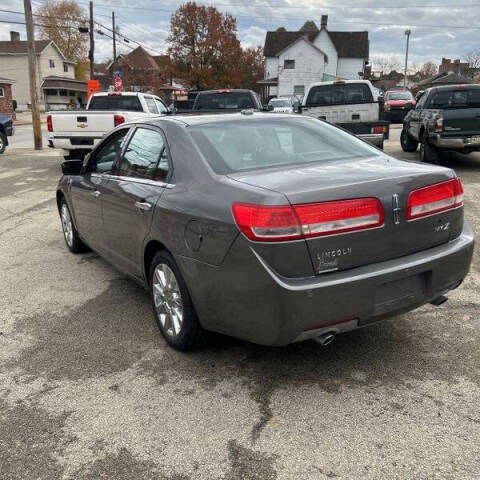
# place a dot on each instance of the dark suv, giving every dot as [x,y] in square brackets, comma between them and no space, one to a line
[445,118]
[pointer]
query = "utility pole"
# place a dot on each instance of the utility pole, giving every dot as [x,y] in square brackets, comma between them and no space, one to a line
[92,41]
[32,70]
[407,33]
[114,39]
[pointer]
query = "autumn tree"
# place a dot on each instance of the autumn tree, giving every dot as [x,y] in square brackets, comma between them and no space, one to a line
[204,47]
[59,22]
[251,68]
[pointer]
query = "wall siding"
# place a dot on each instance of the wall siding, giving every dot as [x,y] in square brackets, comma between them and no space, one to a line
[324,43]
[348,68]
[309,67]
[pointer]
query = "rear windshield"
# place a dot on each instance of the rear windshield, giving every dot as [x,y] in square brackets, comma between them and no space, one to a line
[116,102]
[233,146]
[224,101]
[399,96]
[339,94]
[456,98]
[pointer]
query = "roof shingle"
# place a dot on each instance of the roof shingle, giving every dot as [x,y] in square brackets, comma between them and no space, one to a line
[20,47]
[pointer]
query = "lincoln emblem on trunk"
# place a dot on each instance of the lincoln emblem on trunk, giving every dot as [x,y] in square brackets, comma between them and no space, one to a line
[396,209]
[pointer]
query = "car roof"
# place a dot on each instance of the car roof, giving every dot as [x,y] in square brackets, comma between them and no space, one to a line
[191,120]
[223,90]
[459,86]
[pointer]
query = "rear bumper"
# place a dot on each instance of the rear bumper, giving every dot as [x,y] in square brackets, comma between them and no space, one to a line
[246,299]
[376,139]
[453,143]
[73,143]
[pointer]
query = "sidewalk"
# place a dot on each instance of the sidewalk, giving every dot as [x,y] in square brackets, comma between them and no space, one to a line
[25,118]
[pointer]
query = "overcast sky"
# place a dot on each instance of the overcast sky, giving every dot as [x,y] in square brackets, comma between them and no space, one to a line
[440,28]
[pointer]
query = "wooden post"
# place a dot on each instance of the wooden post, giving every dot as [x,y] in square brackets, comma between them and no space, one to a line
[114,39]
[32,70]
[92,41]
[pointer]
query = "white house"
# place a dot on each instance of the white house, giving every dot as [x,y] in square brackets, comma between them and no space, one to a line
[293,60]
[57,87]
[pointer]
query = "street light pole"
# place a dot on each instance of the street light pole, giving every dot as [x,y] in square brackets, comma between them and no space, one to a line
[407,33]
[114,30]
[92,41]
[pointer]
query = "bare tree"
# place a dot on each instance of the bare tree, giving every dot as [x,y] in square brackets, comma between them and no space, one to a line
[387,63]
[428,69]
[473,60]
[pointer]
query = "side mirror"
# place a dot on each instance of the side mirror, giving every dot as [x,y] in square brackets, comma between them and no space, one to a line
[72,167]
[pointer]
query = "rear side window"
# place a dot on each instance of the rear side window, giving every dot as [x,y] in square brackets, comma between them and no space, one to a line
[116,102]
[225,100]
[339,94]
[233,146]
[143,154]
[456,98]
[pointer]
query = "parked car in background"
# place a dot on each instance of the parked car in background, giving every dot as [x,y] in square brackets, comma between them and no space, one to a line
[267,227]
[284,105]
[445,118]
[397,103]
[77,133]
[351,104]
[6,130]
[224,100]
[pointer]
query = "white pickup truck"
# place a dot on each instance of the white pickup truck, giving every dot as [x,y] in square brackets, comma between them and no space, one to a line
[354,105]
[77,132]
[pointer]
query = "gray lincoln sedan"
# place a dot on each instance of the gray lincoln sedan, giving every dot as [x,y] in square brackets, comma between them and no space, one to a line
[267,227]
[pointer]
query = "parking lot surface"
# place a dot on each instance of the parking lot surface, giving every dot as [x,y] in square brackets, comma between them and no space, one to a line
[89,389]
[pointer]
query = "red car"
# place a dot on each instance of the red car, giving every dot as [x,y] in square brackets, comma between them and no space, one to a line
[397,104]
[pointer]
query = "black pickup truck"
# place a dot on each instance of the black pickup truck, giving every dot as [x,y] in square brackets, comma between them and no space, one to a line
[223,100]
[6,130]
[444,118]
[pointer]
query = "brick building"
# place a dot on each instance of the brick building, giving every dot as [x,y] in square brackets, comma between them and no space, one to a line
[6,102]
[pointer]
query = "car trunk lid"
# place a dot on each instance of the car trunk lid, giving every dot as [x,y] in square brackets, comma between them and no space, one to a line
[381,177]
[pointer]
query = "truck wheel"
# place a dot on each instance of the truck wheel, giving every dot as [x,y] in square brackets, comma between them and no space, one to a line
[428,153]
[407,142]
[3,142]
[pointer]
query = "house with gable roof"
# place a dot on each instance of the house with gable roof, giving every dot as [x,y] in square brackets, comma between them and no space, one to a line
[295,59]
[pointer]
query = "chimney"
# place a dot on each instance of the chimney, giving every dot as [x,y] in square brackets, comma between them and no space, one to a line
[324,21]
[14,36]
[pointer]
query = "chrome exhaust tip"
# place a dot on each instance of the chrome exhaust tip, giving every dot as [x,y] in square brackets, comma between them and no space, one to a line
[325,339]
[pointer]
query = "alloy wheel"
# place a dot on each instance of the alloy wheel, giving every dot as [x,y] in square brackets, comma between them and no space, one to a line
[67,225]
[167,300]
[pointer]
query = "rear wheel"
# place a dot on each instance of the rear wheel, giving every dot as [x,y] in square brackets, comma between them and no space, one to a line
[172,305]
[72,239]
[407,142]
[428,153]
[3,142]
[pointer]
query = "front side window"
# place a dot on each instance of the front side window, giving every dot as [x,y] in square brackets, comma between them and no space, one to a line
[339,94]
[152,107]
[105,157]
[144,152]
[160,106]
[51,63]
[260,143]
[289,64]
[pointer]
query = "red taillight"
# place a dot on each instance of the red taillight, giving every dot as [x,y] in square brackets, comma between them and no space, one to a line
[434,199]
[379,129]
[118,119]
[49,123]
[439,123]
[277,223]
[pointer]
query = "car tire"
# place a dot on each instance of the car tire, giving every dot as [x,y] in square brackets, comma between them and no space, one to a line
[407,142]
[3,142]
[172,305]
[428,153]
[70,234]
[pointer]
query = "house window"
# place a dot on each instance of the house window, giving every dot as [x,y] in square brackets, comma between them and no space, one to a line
[299,90]
[65,68]
[289,64]
[51,91]
[2,92]
[51,63]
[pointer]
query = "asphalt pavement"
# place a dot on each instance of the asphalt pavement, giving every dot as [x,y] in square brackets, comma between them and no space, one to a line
[89,389]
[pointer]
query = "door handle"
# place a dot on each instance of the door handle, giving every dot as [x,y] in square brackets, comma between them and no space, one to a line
[144,206]
[96,193]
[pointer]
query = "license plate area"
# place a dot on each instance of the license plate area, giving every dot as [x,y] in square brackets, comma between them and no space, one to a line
[401,293]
